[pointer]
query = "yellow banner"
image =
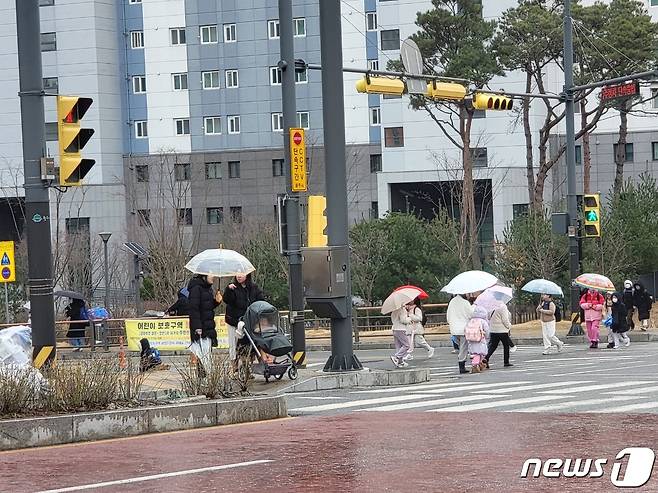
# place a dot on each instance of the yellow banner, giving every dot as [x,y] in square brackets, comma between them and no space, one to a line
[168,334]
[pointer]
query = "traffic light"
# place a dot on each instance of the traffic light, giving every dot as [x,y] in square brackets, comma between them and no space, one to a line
[592,206]
[487,101]
[317,221]
[445,90]
[380,85]
[72,166]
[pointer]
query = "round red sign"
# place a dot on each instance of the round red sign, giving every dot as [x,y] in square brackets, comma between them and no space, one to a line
[297,138]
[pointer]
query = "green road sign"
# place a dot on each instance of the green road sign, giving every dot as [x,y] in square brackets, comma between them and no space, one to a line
[592,216]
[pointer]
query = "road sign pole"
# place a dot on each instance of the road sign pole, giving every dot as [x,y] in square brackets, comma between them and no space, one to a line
[37,206]
[7,321]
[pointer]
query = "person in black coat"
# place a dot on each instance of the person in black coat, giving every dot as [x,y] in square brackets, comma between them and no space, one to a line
[627,298]
[202,303]
[76,312]
[619,324]
[238,295]
[182,306]
[642,301]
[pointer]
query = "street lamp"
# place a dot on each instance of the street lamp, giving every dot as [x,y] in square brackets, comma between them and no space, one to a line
[106,237]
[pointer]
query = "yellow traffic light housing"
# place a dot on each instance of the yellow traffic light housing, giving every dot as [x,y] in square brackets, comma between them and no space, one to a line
[317,221]
[592,208]
[487,101]
[445,90]
[380,85]
[72,166]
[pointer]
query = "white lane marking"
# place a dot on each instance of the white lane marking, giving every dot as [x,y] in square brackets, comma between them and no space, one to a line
[621,368]
[580,358]
[357,403]
[629,408]
[433,402]
[588,388]
[490,405]
[641,390]
[414,388]
[521,388]
[153,477]
[570,404]
[312,365]
[478,386]
[316,398]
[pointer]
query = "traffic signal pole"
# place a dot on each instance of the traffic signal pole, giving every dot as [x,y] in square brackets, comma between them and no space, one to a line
[289,108]
[37,207]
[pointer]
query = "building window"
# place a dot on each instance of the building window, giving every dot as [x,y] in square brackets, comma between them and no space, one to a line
[177,35]
[182,171]
[299,27]
[210,79]
[51,132]
[144,216]
[375,163]
[51,84]
[208,34]
[371,21]
[375,116]
[479,157]
[232,79]
[654,97]
[142,173]
[373,64]
[277,122]
[275,76]
[654,151]
[628,155]
[180,82]
[394,137]
[278,167]
[48,41]
[303,120]
[135,1]
[390,39]
[215,215]
[212,125]
[139,84]
[141,130]
[234,169]
[234,124]
[182,126]
[374,210]
[185,217]
[236,214]
[477,114]
[654,3]
[301,76]
[230,33]
[214,171]
[519,210]
[46,3]
[273,29]
[579,155]
[136,39]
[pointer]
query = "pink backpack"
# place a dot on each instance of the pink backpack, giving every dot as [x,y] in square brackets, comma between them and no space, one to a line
[473,330]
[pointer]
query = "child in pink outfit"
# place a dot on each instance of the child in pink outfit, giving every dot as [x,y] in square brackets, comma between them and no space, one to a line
[593,303]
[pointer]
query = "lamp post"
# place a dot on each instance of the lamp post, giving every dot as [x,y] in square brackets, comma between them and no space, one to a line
[106,237]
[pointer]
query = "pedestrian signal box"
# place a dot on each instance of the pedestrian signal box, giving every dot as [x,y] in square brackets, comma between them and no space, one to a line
[72,138]
[592,209]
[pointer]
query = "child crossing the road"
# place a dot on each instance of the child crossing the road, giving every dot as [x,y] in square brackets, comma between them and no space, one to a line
[477,335]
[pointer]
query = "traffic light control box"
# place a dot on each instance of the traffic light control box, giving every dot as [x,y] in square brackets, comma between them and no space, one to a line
[325,278]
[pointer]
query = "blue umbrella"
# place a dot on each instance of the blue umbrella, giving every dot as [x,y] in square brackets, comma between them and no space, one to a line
[543,286]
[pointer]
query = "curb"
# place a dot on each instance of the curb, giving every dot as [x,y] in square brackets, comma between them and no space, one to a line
[365,378]
[72,428]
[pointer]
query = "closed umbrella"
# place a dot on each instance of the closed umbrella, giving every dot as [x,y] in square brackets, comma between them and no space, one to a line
[471,281]
[597,282]
[494,297]
[399,298]
[219,262]
[543,286]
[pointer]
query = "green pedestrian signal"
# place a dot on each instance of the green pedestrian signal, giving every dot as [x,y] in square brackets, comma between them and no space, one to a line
[592,216]
[592,206]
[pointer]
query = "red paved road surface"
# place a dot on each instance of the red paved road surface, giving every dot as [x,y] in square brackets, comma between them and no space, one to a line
[358,452]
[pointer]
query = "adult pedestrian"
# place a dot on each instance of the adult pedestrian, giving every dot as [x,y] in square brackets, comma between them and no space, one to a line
[594,304]
[417,334]
[238,295]
[499,327]
[642,301]
[181,307]
[546,311]
[619,322]
[627,297]
[202,303]
[76,312]
[401,321]
[460,312]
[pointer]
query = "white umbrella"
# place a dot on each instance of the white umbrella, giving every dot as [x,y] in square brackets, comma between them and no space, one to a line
[399,298]
[471,281]
[494,297]
[543,286]
[219,262]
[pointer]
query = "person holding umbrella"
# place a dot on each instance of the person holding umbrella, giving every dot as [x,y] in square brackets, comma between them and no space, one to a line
[400,304]
[495,300]
[593,303]
[238,295]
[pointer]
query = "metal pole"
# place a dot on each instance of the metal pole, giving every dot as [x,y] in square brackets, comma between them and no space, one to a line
[296,292]
[572,198]
[106,274]
[37,207]
[342,354]
[138,285]
[6,304]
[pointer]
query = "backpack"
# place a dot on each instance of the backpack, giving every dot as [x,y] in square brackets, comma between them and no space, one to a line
[473,330]
[558,313]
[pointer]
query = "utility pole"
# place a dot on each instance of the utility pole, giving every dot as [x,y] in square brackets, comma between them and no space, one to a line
[37,206]
[333,102]
[294,243]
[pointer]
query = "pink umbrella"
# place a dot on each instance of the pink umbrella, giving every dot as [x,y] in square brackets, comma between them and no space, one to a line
[421,292]
[494,297]
[595,281]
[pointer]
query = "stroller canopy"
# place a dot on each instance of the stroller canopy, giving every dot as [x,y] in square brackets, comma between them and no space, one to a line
[262,326]
[260,311]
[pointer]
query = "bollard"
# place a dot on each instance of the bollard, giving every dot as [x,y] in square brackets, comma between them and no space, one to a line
[122,354]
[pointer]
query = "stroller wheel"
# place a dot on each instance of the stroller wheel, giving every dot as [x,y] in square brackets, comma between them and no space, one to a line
[292,373]
[266,374]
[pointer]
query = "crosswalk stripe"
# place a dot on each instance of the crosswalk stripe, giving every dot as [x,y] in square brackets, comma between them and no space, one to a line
[521,388]
[629,408]
[317,398]
[618,368]
[570,404]
[581,358]
[358,403]
[491,405]
[637,391]
[588,388]
[471,387]
[433,402]
[416,388]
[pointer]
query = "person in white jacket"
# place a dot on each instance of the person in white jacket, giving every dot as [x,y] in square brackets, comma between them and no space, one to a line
[500,325]
[416,332]
[401,319]
[459,313]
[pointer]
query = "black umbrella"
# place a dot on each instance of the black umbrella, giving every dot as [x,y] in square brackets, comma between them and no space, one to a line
[74,295]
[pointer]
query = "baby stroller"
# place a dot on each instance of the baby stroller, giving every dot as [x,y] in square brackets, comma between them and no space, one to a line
[262,330]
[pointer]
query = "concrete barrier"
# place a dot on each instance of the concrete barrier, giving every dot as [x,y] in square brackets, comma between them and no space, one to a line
[82,427]
[365,378]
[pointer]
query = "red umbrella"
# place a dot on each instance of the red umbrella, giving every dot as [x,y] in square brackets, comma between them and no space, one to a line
[421,292]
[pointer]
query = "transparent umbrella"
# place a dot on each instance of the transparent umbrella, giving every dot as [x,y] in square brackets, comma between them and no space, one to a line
[471,281]
[219,262]
[543,286]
